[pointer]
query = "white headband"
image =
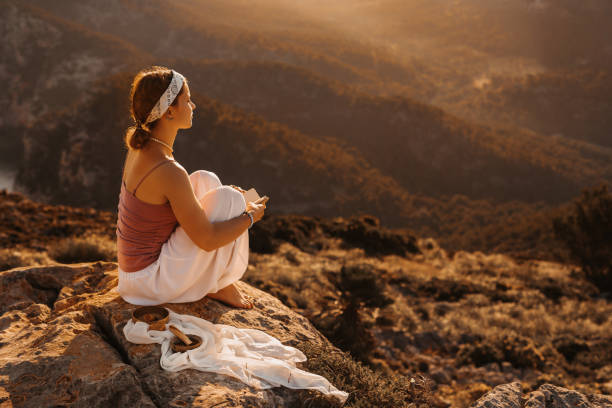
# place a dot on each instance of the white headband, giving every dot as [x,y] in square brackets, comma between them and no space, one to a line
[167,97]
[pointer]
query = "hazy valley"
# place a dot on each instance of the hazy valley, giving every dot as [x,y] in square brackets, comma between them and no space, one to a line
[366,127]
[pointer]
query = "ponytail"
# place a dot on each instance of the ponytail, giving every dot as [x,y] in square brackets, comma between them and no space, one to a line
[137,137]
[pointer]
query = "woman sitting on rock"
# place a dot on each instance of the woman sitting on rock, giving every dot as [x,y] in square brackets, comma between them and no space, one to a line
[180,236]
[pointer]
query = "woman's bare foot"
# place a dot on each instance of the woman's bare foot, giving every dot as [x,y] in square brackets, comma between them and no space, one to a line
[231,296]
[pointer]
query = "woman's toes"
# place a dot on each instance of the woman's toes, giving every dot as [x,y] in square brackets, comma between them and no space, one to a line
[248,303]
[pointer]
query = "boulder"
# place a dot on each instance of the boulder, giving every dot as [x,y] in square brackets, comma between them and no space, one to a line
[547,395]
[61,343]
[502,396]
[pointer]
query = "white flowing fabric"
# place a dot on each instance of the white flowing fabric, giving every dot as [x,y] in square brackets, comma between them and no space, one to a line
[184,272]
[249,355]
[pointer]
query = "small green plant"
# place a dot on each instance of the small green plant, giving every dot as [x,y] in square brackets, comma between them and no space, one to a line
[587,233]
[84,249]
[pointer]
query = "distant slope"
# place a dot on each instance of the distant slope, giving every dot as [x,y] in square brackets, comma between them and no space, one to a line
[76,158]
[541,65]
[195,30]
[574,104]
[339,122]
[49,63]
[425,149]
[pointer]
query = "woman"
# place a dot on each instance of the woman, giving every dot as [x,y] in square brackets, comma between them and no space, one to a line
[180,237]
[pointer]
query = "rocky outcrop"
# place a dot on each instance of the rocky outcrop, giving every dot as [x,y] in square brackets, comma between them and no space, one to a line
[547,395]
[61,343]
[465,322]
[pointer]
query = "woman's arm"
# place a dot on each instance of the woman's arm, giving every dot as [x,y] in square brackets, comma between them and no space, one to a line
[190,215]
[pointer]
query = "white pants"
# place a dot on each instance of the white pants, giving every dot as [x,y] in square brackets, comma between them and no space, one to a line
[184,272]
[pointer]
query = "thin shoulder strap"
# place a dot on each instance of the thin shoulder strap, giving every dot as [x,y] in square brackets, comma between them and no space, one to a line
[149,172]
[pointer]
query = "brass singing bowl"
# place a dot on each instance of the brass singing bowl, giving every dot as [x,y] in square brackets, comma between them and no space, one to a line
[178,346]
[155,316]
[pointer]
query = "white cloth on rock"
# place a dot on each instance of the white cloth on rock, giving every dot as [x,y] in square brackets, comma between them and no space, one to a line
[249,355]
[183,271]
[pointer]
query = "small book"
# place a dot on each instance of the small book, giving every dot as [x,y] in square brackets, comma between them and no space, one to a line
[252,196]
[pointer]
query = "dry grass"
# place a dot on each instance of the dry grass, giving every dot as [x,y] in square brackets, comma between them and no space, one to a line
[467,315]
[15,258]
[84,249]
[366,387]
[9,259]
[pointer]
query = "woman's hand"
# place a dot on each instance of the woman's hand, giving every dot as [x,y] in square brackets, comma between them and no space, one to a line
[256,209]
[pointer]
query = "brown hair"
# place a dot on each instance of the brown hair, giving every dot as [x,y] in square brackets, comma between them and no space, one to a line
[147,87]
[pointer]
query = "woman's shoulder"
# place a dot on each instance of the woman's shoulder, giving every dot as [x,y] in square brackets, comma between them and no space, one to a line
[153,174]
[174,169]
[172,173]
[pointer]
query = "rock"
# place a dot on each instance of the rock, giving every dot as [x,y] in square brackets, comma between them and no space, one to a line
[61,343]
[502,396]
[547,395]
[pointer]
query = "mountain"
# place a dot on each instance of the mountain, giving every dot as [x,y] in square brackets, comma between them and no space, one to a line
[340,122]
[50,63]
[414,134]
[301,174]
[425,149]
[566,104]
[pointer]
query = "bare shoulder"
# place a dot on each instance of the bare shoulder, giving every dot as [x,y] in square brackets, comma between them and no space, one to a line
[175,180]
[173,171]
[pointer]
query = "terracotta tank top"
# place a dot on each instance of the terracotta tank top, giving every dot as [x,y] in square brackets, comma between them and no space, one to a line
[142,228]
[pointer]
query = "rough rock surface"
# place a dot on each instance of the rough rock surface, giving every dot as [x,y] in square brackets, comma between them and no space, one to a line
[502,396]
[61,343]
[546,396]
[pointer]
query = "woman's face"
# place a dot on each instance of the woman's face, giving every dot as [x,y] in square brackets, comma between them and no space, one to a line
[184,109]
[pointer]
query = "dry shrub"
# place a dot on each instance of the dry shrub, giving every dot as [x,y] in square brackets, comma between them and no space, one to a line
[360,285]
[9,259]
[84,249]
[586,233]
[13,258]
[302,301]
[350,332]
[518,350]
[290,278]
[366,388]
[466,395]
[479,354]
